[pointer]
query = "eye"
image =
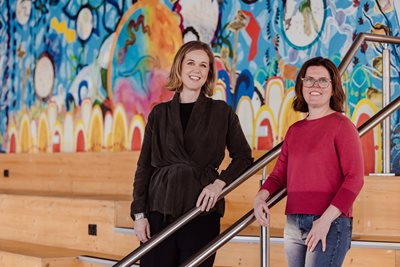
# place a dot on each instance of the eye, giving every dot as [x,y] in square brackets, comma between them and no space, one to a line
[204,65]
[309,80]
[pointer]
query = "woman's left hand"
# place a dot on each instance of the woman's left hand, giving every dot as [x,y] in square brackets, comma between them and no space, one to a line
[318,232]
[209,196]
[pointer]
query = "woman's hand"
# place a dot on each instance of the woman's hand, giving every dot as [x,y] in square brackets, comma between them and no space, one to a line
[321,227]
[142,229]
[318,232]
[209,196]
[260,207]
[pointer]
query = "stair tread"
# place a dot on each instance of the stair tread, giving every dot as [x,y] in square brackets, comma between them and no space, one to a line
[44,251]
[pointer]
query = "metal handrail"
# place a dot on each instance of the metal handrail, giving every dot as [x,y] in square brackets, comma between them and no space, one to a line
[156,239]
[249,217]
[361,37]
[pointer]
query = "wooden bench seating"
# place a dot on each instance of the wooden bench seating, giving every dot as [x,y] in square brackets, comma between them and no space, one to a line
[50,199]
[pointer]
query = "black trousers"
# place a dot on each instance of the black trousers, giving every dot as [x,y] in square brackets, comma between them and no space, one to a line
[182,244]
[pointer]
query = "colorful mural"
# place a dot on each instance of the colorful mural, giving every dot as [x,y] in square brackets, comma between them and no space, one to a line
[83,75]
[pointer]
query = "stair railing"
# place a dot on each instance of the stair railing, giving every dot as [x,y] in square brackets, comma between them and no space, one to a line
[358,41]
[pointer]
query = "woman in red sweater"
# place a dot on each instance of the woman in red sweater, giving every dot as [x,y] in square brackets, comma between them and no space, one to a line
[321,166]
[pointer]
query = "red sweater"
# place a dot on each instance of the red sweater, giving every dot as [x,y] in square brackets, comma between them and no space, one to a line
[320,164]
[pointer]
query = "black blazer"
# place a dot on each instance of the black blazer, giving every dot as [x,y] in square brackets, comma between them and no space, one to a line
[173,167]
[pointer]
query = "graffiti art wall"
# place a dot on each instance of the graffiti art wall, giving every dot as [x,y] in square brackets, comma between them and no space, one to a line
[84,75]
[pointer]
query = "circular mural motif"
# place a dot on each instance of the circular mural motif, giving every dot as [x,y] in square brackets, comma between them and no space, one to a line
[302,21]
[44,76]
[84,24]
[142,52]
[23,11]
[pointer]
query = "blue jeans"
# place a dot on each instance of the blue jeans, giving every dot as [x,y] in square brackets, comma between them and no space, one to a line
[338,242]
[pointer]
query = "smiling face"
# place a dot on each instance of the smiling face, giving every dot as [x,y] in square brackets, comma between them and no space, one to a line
[316,96]
[194,71]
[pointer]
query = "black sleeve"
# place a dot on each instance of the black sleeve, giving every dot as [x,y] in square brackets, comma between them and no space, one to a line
[144,170]
[239,150]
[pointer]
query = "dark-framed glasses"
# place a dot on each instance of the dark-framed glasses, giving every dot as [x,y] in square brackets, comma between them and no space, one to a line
[322,82]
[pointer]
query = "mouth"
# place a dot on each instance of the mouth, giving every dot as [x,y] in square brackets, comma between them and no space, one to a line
[194,78]
[315,93]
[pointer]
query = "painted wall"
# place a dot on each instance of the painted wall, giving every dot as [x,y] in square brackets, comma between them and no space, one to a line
[84,75]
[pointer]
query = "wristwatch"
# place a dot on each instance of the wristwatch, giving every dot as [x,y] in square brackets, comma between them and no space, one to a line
[139,216]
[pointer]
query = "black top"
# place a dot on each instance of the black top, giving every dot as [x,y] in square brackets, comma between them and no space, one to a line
[186,110]
[174,167]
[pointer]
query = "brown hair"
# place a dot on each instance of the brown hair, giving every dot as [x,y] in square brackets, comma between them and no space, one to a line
[337,99]
[175,81]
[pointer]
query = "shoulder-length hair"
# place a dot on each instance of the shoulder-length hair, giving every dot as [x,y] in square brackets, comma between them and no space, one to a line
[338,97]
[175,81]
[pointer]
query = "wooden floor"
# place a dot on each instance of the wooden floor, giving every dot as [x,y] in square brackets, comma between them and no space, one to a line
[49,200]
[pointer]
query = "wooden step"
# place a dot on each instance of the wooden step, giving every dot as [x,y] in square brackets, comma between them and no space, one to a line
[87,173]
[15,253]
[240,254]
[63,222]
[247,254]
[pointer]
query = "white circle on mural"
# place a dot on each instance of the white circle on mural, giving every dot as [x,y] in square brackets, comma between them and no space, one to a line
[196,26]
[44,76]
[23,11]
[303,21]
[84,23]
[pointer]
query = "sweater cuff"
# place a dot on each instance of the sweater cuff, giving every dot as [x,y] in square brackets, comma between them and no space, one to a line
[270,186]
[343,200]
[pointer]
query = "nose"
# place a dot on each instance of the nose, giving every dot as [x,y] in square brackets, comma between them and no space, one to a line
[316,84]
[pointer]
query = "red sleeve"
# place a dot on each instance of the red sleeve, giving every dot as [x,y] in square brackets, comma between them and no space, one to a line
[277,179]
[348,146]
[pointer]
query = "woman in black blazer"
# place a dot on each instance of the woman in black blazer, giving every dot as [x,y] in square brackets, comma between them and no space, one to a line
[184,144]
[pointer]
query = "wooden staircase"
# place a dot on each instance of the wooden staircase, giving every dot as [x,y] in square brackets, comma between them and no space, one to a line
[50,203]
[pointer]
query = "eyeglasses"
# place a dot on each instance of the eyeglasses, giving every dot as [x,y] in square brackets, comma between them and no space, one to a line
[309,82]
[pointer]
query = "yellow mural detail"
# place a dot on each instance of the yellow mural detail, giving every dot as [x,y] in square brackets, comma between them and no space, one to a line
[96,130]
[24,134]
[61,27]
[43,134]
[287,115]
[57,140]
[80,137]
[136,122]
[13,144]
[119,130]
[366,106]
[265,112]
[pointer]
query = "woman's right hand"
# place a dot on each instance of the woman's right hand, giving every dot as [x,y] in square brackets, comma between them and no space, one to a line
[142,229]
[261,210]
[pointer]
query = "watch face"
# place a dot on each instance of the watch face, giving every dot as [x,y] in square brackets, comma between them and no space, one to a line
[23,11]
[303,21]
[139,216]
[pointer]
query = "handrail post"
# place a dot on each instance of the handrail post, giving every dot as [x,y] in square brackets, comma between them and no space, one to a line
[386,122]
[264,232]
[386,101]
